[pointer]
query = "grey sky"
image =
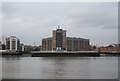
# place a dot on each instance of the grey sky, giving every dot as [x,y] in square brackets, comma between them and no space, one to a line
[32,21]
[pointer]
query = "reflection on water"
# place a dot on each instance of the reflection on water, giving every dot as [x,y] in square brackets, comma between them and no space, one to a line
[60,68]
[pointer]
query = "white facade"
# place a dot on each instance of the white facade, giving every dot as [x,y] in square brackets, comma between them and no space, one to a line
[12,43]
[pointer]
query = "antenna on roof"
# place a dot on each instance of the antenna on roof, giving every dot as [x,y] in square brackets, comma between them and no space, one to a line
[58,27]
[34,43]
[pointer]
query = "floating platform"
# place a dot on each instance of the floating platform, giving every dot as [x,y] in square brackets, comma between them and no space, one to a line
[73,53]
[63,54]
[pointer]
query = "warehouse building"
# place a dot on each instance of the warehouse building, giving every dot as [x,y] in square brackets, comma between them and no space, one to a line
[59,42]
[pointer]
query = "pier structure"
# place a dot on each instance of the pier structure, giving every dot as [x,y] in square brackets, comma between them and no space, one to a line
[72,53]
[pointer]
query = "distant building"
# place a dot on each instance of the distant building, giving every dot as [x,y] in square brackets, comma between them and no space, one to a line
[3,46]
[12,43]
[27,48]
[0,45]
[40,47]
[21,47]
[34,48]
[109,48]
[59,42]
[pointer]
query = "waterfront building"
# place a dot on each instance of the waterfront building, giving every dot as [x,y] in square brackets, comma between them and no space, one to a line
[27,48]
[59,39]
[34,48]
[77,44]
[40,47]
[21,47]
[47,44]
[108,48]
[2,46]
[12,43]
[59,42]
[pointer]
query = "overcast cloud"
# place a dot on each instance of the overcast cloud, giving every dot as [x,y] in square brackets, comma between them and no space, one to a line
[31,22]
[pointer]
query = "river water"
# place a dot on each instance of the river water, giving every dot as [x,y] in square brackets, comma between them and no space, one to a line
[21,67]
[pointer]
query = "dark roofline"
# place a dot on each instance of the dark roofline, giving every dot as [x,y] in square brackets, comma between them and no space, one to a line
[77,38]
[47,38]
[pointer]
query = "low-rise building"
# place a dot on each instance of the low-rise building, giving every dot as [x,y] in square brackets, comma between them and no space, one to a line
[108,48]
[27,48]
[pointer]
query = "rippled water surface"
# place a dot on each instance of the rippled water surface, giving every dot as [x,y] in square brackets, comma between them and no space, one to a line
[19,67]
